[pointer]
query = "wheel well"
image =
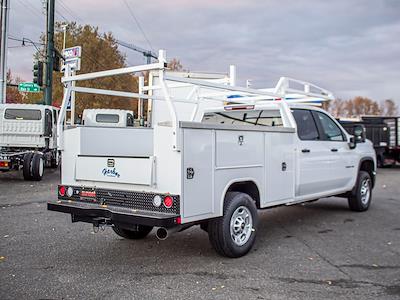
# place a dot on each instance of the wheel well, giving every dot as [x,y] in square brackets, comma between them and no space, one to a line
[247,187]
[368,166]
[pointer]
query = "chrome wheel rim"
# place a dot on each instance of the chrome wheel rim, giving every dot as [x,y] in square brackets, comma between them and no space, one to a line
[365,191]
[241,225]
[41,167]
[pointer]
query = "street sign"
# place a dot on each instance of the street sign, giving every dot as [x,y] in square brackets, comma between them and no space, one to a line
[29,87]
[72,57]
[75,64]
[72,52]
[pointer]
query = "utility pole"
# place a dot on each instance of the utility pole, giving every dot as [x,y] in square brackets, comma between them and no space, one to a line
[5,8]
[49,52]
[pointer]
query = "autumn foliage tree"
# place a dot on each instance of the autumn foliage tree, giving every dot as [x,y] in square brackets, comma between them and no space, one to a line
[12,93]
[360,106]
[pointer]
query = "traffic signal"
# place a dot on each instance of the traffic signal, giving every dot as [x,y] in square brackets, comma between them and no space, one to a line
[57,61]
[38,73]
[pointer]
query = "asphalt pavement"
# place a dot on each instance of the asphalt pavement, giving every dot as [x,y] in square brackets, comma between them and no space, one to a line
[319,250]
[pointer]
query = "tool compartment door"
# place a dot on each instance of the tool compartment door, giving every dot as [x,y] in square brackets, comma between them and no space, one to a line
[132,170]
[197,171]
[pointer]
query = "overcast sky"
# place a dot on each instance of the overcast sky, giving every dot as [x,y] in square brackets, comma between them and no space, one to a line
[351,47]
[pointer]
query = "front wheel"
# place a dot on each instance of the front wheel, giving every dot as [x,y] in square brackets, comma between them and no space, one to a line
[234,233]
[141,232]
[360,198]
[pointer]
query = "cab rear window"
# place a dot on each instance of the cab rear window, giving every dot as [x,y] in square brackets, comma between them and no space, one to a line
[107,118]
[22,114]
[251,117]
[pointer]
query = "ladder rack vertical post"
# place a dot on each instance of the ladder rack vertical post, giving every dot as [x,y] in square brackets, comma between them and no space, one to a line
[170,104]
[141,103]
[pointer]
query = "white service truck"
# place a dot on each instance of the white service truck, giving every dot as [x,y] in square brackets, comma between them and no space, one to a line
[214,154]
[28,138]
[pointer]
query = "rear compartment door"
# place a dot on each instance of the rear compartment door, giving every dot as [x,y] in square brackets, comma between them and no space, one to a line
[131,170]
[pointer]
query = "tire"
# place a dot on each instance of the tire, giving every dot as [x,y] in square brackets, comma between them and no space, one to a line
[37,167]
[239,221]
[361,196]
[27,166]
[141,232]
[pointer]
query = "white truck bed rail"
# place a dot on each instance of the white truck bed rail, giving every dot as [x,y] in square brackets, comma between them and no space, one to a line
[223,91]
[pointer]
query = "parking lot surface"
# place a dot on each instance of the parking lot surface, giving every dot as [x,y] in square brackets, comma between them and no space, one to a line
[319,250]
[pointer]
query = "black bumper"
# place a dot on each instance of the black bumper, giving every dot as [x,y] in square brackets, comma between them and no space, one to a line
[99,214]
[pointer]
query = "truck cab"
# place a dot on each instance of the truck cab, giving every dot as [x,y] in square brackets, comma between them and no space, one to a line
[28,130]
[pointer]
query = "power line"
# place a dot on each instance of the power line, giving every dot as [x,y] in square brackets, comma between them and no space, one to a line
[69,10]
[61,15]
[24,39]
[138,24]
[33,9]
[19,46]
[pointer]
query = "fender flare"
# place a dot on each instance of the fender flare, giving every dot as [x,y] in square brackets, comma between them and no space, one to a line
[238,180]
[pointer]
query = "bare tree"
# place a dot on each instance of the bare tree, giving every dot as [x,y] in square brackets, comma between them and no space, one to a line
[389,108]
[360,106]
[175,65]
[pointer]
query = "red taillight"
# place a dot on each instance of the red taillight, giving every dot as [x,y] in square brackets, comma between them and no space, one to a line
[178,220]
[4,164]
[61,190]
[168,201]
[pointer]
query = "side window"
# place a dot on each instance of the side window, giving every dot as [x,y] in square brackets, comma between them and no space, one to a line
[306,127]
[330,128]
[247,117]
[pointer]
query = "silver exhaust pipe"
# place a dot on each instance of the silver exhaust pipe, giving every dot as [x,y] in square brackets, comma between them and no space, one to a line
[162,233]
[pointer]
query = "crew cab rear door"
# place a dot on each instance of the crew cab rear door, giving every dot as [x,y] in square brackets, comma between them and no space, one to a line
[335,141]
[314,161]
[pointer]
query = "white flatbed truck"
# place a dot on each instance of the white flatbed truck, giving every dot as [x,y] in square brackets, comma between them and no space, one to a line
[206,161]
[28,138]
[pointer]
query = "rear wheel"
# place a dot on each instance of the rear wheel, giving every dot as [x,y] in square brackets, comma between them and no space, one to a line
[37,167]
[360,198]
[234,233]
[27,166]
[141,232]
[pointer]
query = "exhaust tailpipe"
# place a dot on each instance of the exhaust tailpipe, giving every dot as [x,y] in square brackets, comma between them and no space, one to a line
[162,233]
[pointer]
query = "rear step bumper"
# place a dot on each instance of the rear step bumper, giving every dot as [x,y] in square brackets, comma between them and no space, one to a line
[95,213]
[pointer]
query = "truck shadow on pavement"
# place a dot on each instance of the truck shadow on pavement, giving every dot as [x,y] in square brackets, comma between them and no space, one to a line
[274,225]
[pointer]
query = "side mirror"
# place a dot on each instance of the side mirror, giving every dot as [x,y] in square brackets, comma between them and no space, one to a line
[352,142]
[359,133]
